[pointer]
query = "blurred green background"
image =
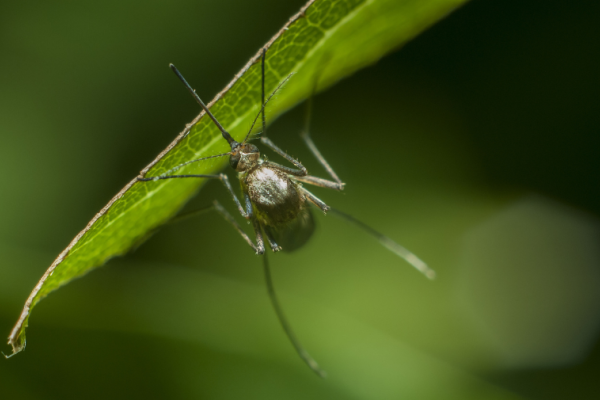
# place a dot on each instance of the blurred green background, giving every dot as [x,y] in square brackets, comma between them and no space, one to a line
[476,146]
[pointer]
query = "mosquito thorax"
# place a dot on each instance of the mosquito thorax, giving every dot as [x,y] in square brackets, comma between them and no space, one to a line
[244,156]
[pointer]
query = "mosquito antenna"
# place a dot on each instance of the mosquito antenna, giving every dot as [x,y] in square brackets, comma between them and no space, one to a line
[265,104]
[389,244]
[225,134]
[262,64]
[286,326]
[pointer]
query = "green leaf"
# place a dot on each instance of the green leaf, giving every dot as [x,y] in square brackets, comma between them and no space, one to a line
[330,39]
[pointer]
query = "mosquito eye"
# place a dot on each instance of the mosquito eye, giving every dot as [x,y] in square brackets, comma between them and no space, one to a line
[234,159]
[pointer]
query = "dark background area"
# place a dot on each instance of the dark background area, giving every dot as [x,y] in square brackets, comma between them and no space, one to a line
[494,107]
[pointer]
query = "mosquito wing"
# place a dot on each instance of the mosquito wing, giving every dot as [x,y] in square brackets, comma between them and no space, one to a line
[295,234]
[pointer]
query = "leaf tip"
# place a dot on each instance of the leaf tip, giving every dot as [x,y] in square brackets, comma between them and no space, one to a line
[18,345]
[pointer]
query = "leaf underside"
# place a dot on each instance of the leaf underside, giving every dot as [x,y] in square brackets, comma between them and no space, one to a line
[330,39]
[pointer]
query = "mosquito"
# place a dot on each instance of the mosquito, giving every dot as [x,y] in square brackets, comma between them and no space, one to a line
[274,200]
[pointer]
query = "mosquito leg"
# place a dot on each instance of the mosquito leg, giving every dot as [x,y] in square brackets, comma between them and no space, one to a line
[216,206]
[286,326]
[305,135]
[260,243]
[311,146]
[388,243]
[313,180]
[315,200]
[301,171]
[287,170]
[247,213]
[259,248]
[264,102]
[274,246]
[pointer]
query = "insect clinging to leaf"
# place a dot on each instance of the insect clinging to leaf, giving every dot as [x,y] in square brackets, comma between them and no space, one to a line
[273,197]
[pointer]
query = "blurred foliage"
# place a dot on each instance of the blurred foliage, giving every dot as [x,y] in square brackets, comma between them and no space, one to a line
[498,100]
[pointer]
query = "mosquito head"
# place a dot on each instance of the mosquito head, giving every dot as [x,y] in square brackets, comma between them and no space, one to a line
[243,156]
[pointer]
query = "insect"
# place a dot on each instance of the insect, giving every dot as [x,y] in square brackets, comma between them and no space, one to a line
[275,201]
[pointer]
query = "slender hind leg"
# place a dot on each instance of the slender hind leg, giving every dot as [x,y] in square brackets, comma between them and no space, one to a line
[389,244]
[286,326]
[305,135]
